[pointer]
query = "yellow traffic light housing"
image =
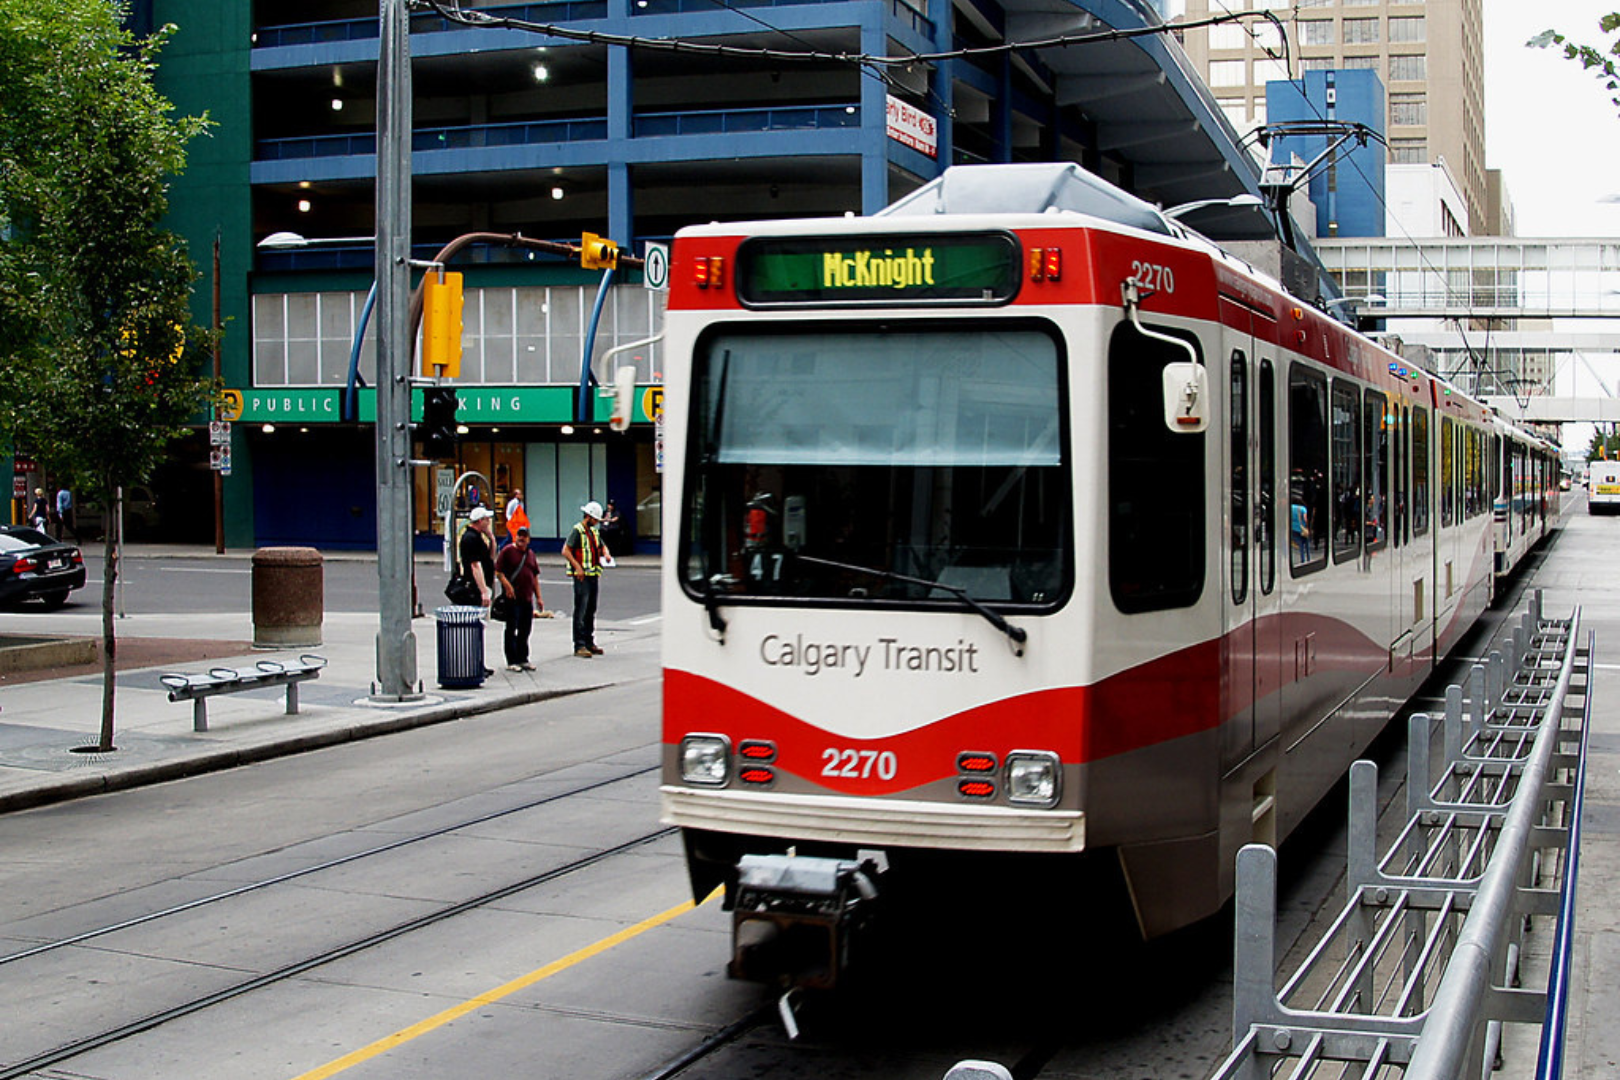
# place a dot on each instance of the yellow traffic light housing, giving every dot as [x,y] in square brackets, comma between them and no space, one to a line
[597,252]
[441,325]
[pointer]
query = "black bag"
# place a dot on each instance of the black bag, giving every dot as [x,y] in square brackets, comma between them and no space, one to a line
[501,608]
[462,592]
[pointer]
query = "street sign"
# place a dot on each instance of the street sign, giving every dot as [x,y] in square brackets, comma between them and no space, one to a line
[655,268]
[219,433]
[652,403]
[232,407]
[219,457]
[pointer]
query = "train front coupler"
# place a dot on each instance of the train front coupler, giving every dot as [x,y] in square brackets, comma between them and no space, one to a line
[797,921]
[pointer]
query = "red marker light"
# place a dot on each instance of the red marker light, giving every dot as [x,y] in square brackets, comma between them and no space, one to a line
[756,750]
[1054,264]
[756,774]
[976,763]
[709,271]
[976,789]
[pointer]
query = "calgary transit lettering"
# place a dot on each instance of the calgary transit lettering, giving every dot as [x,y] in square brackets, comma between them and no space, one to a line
[867,269]
[814,658]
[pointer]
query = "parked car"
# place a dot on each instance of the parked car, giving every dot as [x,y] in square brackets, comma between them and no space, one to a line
[34,566]
[140,515]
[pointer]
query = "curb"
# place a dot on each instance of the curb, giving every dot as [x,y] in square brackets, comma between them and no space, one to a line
[219,759]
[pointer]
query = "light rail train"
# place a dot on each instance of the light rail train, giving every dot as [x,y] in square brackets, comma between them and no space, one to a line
[1019,529]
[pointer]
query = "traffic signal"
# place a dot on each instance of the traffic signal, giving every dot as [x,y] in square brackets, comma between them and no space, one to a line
[597,252]
[438,427]
[441,325]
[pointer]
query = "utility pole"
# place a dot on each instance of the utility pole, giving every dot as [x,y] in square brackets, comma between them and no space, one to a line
[396,641]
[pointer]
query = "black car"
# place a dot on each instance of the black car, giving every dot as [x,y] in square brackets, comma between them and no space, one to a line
[34,565]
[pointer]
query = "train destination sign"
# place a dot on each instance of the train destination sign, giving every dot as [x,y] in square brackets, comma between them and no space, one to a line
[978,268]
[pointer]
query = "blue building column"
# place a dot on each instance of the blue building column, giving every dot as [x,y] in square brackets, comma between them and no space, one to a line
[620,112]
[874,116]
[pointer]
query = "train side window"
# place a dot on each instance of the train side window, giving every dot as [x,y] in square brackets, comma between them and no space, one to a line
[1345,416]
[1375,426]
[1238,427]
[1156,526]
[1308,520]
[1420,471]
[1398,486]
[1265,517]
[1448,468]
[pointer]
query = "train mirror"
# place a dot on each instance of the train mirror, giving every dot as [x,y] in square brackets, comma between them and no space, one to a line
[1186,398]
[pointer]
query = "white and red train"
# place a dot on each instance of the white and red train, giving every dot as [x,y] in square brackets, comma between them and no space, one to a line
[1018,528]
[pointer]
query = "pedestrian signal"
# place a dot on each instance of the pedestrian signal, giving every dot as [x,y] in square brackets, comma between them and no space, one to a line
[441,325]
[624,399]
[597,252]
[438,427]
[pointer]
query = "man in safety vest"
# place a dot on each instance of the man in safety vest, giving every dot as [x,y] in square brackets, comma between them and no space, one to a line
[586,555]
[516,517]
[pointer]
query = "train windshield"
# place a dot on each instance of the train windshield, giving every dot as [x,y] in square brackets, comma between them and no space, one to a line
[908,456]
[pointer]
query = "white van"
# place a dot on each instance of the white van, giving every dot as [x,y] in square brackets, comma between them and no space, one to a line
[1602,487]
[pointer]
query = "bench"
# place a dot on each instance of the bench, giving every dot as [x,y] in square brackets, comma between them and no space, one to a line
[197,689]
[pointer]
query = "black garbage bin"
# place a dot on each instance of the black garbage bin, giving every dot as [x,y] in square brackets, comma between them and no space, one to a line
[461,646]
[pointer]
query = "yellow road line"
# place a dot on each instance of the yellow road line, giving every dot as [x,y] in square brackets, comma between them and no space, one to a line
[422,1027]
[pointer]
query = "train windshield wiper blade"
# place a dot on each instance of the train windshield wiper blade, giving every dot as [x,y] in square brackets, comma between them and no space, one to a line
[1017,633]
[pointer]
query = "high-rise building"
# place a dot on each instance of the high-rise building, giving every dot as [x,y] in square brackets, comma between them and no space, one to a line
[1429,56]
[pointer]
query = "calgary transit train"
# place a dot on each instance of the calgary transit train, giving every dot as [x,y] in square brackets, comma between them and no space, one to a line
[1018,528]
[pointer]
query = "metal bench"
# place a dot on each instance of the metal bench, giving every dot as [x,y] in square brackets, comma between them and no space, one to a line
[221,680]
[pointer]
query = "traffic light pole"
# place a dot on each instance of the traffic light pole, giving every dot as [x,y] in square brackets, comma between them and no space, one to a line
[396,641]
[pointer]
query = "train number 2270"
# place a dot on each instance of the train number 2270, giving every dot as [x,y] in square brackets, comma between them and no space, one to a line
[1153,277]
[859,764]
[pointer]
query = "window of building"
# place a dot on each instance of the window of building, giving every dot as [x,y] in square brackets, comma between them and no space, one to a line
[1360,31]
[1407,29]
[1408,151]
[1269,71]
[1361,3]
[1361,63]
[1408,109]
[1408,68]
[1318,63]
[1316,32]
[1228,73]
[1308,521]
[1236,110]
[1228,36]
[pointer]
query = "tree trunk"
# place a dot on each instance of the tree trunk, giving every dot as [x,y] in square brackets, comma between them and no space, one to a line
[109,637]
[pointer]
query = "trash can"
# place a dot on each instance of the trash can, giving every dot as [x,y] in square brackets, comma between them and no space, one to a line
[288,597]
[461,646]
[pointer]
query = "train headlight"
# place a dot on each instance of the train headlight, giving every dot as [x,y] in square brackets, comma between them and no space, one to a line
[706,760]
[1034,778]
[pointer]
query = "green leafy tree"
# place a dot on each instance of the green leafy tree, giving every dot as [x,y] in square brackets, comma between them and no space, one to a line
[1600,60]
[1604,447]
[98,360]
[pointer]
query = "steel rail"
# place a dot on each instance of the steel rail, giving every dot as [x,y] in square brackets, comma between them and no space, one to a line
[292,875]
[67,1051]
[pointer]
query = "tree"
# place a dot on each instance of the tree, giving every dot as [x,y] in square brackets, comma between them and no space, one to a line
[1600,60]
[1604,447]
[98,360]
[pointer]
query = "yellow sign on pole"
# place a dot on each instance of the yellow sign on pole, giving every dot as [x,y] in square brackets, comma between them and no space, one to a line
[652,403]
[232,408]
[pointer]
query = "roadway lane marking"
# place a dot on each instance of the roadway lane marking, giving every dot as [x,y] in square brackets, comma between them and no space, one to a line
[488,997]
[199,570]
[644,620]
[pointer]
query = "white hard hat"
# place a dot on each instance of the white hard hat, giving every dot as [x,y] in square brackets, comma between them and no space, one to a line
[592,509]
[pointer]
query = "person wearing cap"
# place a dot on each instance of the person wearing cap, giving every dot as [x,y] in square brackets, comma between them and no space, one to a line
[518,571]
[475,552]
[585,555]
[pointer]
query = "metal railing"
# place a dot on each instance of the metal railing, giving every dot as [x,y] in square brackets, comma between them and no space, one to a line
[1416,975]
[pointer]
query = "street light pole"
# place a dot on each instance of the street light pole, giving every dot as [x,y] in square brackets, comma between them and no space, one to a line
[396,641]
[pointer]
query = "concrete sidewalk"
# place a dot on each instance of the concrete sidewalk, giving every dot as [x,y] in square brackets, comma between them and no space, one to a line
[42,721]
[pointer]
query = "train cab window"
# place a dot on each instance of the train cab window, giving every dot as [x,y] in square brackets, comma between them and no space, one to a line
[1265,513]
[1345,425]
[1238,479]
[1308,518]
[1375,426]
[1420,471]
[862,463]
[1155,483]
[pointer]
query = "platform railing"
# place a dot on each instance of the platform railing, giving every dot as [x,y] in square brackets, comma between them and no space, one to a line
[1417,974]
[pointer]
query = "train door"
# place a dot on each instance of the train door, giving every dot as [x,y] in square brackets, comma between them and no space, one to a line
[1268,636]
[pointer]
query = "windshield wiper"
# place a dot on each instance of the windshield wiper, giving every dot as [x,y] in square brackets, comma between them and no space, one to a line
[1016,633]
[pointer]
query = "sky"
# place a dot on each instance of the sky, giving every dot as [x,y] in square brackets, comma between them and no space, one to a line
[1549,125]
